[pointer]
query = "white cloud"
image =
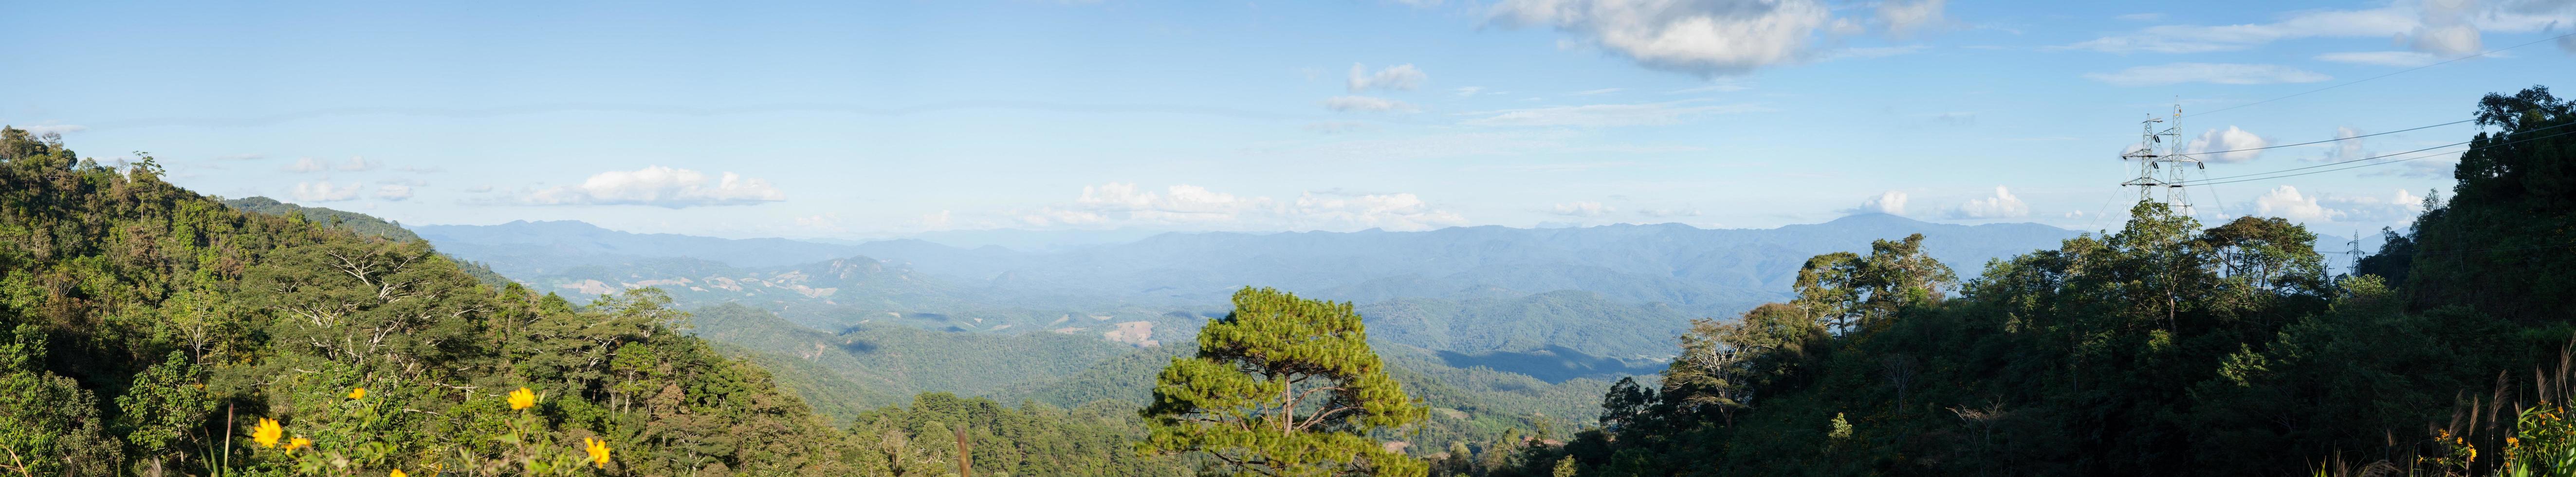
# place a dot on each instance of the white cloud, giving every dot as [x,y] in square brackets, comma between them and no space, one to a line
[1705,37]
[827,222]
[2438,166]
[2445,29]
[479,189]
[43,129]
[1124,204]
[324,192]
[1668,213]
[2003,205]
[1555,167]
[1599,115]
[2230,139]
[240,157]
[2142,17]
[1904,18]
[2219,73]
[2286,202]
[393,192]
[1872,52]
[941,220]
[660,187]
[1366,104]
[306,164]
[1721,87]
[1583,209]
[1590,92]
[2382,58]
[2394,209]
[2198,39]
[2349,148]
[357,163]
[1890,202]
[1398,77]
[1336,127]
[2442,27]
[1468,90]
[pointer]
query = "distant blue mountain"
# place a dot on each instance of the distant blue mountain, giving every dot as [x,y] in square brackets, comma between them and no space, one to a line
[524,249]
[1694,268]
[1558,303]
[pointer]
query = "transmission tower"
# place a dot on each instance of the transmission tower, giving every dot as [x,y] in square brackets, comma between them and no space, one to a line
[2353,255]
[2155,149]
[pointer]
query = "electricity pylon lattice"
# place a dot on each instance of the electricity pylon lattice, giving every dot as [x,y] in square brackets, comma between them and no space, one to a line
[2154,150]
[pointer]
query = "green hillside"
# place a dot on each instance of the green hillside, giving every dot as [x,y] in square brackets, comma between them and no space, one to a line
[149,330]
[149,325]
[361,224]
[2167,347]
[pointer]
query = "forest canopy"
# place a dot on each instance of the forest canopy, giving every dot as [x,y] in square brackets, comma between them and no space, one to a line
[2165,347]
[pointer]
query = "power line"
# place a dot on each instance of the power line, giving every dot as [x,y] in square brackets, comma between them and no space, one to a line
[2326,141]
[2330,164]
[2562,133]
[2496,249]
[2444,62]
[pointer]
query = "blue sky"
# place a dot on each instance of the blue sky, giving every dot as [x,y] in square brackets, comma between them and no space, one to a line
[886,119]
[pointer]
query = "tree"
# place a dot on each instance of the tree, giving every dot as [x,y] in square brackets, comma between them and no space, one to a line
[163,406]
[1847,290]
[1282,386]
[1898,273]
[1723,365]
[1825,288]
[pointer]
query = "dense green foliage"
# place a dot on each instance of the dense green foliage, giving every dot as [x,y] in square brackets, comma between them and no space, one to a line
[2161,348]
[149,330]
[361,224]
[888,363]
[1036,439]
[1248,398]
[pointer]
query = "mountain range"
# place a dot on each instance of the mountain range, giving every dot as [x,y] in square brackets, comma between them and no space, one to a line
[1575,294]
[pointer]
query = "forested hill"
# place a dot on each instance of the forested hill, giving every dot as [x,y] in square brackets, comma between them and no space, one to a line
[1617,291]
[361,224]
[149,330]
[2167,347]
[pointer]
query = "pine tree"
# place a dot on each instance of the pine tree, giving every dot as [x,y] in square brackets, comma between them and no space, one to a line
[1283,386]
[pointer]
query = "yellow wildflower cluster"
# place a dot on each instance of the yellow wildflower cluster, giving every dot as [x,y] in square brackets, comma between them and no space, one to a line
[266,432]
[598,450]
[522,399]
[359,393]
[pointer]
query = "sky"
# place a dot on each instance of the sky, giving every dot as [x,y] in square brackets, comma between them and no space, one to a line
[851,120]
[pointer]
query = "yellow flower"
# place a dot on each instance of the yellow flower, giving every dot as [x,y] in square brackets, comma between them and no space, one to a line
[2512,441]
[522,398]
[266,432]
[598,450]
[297,443]
[397,473]
[359,393]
